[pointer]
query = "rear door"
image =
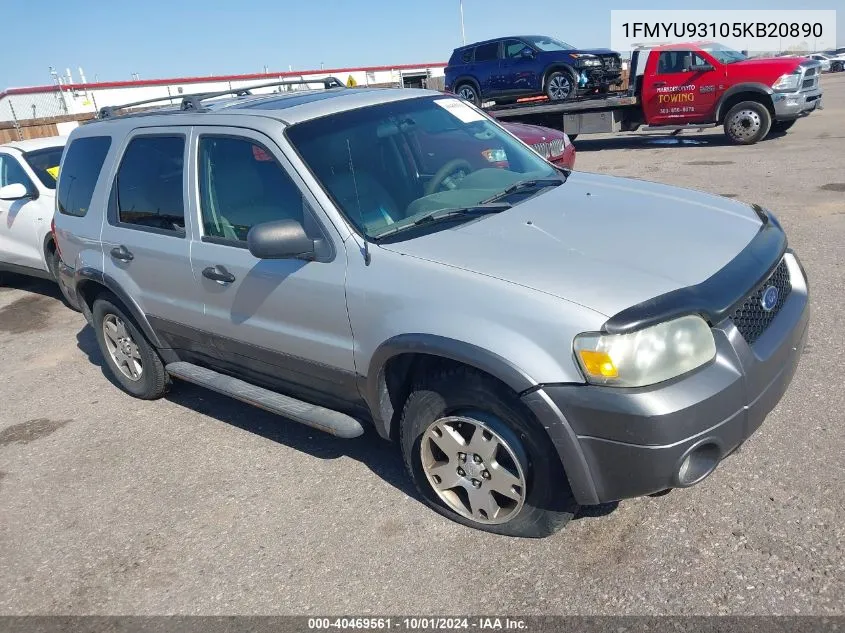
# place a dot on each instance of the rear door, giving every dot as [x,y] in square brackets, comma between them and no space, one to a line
[20,220]
[486,65]
[682,87]
[145,243]
[519,72]
[282,322]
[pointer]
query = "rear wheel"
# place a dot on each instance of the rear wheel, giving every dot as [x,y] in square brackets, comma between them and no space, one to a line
[477,457]
[837,67]
[468,92]
[131,359]
[561,86]
[748,122]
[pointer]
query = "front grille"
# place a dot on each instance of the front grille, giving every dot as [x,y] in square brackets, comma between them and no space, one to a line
[809,72]
[548,149]
[809,83]
[750,318]
[610,62]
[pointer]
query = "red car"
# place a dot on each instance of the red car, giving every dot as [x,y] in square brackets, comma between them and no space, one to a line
[552,145]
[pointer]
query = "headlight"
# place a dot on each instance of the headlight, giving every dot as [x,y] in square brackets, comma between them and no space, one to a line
[787,83]
[587,60]
[648,356]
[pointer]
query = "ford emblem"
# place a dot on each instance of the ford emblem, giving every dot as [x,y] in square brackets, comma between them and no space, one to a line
[769,298]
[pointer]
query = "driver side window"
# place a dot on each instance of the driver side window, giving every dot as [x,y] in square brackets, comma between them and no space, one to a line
[513,49]
[241,185]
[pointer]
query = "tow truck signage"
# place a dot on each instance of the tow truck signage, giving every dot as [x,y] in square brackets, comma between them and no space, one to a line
[676,94]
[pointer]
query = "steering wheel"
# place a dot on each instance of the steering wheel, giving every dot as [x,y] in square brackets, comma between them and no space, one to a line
[444,172]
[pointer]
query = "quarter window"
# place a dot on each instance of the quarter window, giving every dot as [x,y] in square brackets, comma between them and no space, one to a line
[241,185]
[487,52]
[80,171]
[148,188]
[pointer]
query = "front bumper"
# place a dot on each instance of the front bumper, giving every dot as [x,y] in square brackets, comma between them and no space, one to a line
[633,442]
[792,105]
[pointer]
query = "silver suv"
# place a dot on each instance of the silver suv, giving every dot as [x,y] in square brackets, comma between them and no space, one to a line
[533,338]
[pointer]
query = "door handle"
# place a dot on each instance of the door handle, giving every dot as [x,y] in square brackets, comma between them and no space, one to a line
[659,84]
[122,253]
[218,273]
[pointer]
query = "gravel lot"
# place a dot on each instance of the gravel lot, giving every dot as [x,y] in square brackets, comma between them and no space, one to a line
[196,504]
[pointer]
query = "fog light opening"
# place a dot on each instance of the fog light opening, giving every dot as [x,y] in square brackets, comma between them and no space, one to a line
[699,463]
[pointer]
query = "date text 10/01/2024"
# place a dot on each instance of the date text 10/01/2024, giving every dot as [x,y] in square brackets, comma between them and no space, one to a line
[417,623]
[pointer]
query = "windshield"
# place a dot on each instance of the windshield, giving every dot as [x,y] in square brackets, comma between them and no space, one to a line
[45,164]
[549,44]
[393,163]
[724,54]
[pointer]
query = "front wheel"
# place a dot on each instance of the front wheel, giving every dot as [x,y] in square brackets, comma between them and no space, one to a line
[561,86]
[748,122]
[477,457]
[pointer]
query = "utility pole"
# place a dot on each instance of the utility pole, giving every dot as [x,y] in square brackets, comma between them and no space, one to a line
[463,33]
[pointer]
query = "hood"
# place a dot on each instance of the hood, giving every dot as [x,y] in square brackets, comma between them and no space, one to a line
[531,134]
[594,51]
[766,69]
[602,242]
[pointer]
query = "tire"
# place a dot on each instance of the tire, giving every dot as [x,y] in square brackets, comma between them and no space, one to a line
[837,67]
[748,122]
[556,86]
[522,460]
[152,380]
[468,92]
[781,127]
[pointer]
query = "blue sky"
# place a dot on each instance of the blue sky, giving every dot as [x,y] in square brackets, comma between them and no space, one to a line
[166,38]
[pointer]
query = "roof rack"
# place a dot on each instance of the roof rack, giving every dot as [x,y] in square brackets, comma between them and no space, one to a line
[193,102]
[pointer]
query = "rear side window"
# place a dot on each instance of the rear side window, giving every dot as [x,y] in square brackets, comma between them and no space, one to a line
[45,164]
[78,177]
[487,52]
[147,190]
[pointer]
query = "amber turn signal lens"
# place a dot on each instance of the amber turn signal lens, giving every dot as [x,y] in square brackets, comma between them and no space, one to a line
[598,363]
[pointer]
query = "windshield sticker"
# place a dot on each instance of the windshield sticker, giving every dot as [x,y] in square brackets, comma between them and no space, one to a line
[460,110]
[53,171]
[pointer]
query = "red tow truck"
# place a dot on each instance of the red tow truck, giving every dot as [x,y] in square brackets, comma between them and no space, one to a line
[688,86]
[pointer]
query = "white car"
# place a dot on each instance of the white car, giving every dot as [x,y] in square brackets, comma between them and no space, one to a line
[28,174]
[835,61]
[824,60]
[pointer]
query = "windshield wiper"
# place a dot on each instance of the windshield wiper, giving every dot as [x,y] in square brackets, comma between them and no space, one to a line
[440,215]
[525,185]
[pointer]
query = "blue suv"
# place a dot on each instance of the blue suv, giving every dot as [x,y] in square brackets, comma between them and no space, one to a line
[529,66]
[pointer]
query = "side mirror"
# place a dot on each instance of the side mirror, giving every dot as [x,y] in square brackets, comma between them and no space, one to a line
[15,191]
[280,239]
[700,68]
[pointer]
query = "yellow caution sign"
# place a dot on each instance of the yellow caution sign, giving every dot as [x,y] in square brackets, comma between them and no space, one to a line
[350,82]
[53,171]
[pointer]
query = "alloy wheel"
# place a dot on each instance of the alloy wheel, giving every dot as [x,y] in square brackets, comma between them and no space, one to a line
[473,469]
[121,347]
[560,87]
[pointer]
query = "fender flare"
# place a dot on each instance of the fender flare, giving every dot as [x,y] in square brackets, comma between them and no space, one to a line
[755,87]
[85,276]
[433,345]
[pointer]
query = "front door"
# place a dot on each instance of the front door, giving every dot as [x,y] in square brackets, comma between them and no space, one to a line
[20,220]
[519,68]
[283,322]
[145,235]
[683,89]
